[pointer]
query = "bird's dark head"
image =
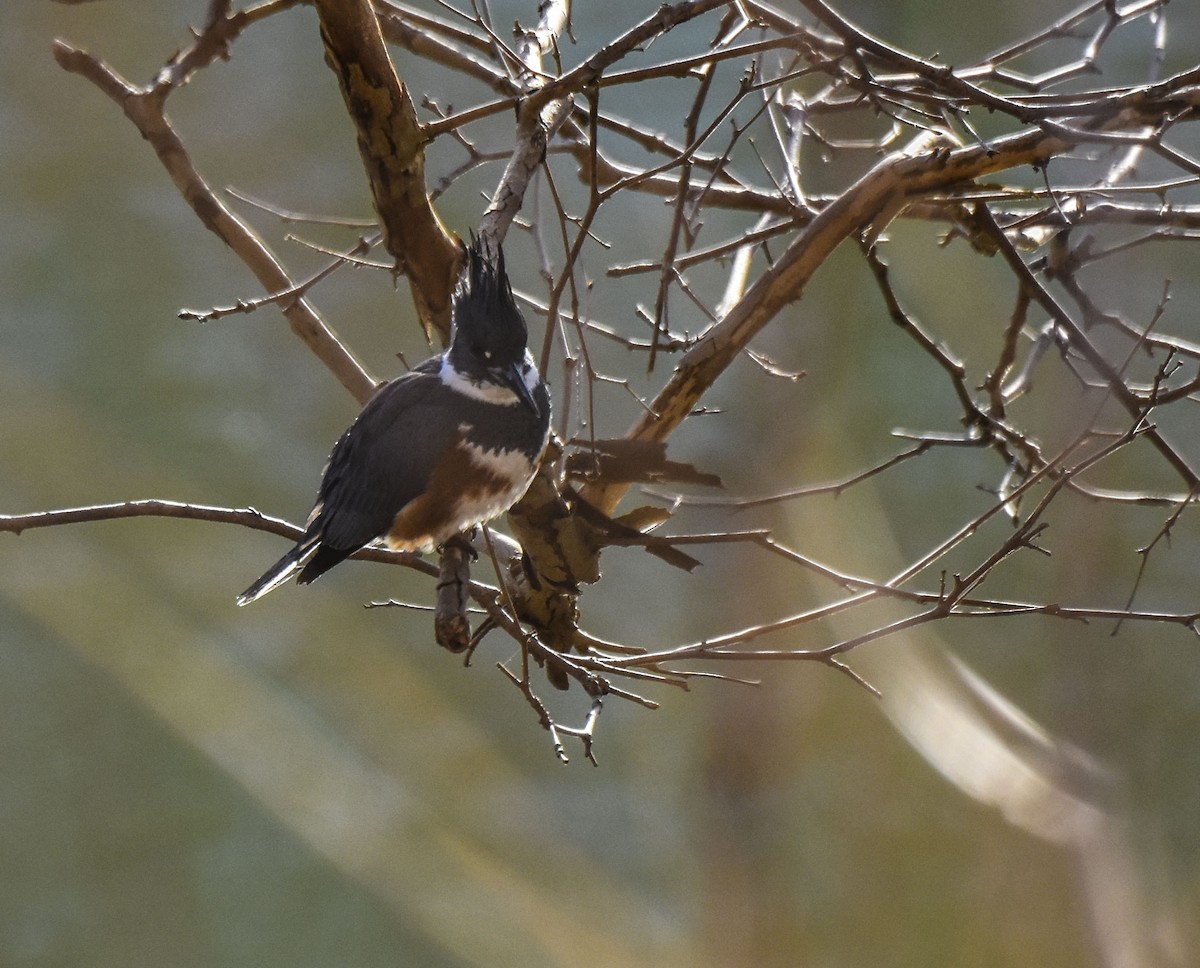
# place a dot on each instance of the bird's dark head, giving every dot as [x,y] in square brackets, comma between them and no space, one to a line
[488,336]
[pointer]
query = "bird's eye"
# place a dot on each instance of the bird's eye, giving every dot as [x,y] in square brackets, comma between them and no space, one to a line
[487,355]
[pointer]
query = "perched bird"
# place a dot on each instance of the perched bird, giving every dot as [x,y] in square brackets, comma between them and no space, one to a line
[445,447]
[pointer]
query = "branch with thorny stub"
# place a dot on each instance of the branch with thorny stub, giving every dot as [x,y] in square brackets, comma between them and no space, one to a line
[805,81]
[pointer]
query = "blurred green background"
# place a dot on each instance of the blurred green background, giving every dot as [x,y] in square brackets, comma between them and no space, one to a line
[309,783]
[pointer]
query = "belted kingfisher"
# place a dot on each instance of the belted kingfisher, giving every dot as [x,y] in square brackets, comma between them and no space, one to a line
[447,446]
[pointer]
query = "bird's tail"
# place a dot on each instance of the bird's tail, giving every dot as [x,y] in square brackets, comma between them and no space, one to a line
[285,568]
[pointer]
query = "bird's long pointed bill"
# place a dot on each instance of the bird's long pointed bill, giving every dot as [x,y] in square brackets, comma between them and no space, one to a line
[515,378]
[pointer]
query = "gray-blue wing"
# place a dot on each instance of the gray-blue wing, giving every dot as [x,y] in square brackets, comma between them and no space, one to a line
[377,466]
[382,461]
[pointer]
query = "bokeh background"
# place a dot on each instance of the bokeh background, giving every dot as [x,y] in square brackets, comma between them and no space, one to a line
[310,783]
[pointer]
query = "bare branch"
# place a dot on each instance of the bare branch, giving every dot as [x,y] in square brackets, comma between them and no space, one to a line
[392,144]
[145,108]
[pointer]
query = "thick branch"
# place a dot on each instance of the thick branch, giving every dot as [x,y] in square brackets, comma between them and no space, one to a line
[392,145]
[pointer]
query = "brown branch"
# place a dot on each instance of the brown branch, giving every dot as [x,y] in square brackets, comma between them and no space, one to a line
[869,204]
[873,200]
[811,490]
[246,517]
[537,120]
[666,276]
[848,75]
[299,289]
[144,107]
[391,142]
[1080,341]
[591,71]
[158,508]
